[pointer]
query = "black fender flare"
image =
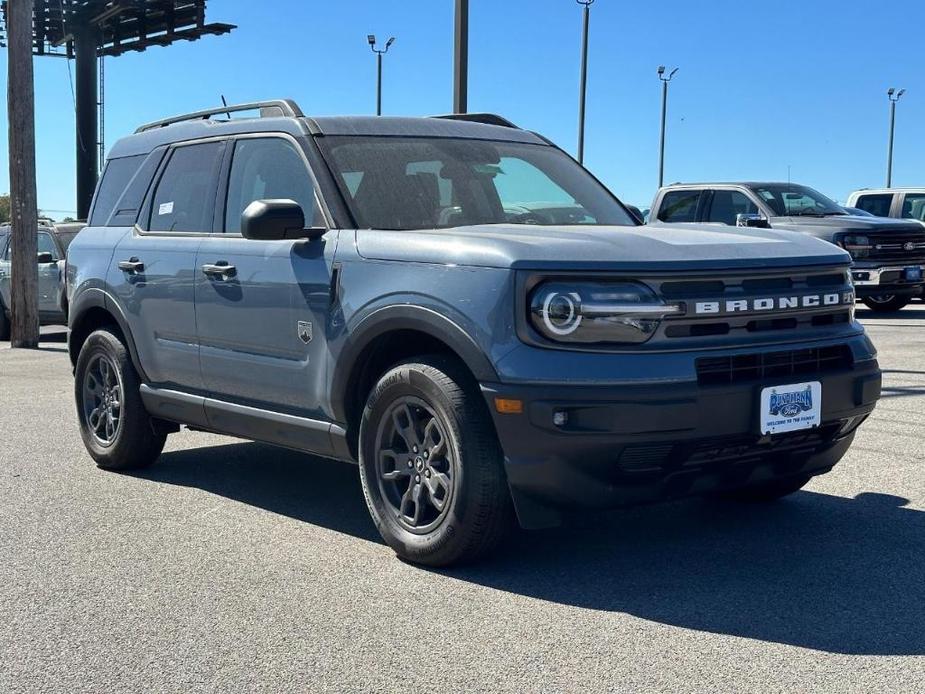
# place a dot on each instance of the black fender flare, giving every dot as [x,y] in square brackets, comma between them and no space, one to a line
[95,297]
[403,317]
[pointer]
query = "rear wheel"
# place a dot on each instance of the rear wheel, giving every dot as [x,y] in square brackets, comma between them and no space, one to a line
[431,466]
[884,303]
[4,324]
[114,425]
[766,491]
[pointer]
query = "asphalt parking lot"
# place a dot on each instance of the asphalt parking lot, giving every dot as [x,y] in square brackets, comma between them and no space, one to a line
[233,566]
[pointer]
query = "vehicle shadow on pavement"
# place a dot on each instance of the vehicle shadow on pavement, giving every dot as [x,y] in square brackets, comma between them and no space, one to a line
[891,391]
[314,490]
[813,570]
[818,571]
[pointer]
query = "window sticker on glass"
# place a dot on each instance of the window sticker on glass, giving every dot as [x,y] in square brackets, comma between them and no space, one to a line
[165,208]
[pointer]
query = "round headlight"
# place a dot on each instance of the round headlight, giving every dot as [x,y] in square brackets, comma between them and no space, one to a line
[562,312]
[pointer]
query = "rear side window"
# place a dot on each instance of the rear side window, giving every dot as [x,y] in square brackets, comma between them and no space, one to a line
[914,206]
[679,206]
[185,196]
[116,176]
[878,205]
[268,168]
[727,204]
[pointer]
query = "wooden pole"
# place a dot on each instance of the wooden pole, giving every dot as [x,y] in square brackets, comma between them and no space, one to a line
[23,208]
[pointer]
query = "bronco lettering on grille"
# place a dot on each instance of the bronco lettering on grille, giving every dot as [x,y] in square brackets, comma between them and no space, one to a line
[777,303]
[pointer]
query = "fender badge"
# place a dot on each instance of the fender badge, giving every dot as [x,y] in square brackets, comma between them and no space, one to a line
[304,330]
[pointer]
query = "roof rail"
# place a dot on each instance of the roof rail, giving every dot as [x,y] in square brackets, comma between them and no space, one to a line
[487,118]
[268,109]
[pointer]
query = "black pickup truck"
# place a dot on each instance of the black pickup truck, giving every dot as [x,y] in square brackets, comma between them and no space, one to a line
[888,254]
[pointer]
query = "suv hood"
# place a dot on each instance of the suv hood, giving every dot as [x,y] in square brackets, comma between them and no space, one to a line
[677,247]
[827,227]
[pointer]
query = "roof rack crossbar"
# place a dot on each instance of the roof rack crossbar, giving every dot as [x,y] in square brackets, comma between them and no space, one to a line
[268,109]
[487,118]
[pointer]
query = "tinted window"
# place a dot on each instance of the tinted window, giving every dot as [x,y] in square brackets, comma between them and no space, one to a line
[914,206]
[184,199]
[426,183]
[726,204]
[128,206]
[878,205]
[264,169]
[788,199]
[116,175]
[679,206]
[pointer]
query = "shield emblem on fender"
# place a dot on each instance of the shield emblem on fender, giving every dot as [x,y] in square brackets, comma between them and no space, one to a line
[305,331]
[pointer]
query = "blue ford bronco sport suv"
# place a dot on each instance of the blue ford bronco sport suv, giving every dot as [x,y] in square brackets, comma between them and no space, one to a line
[385,291]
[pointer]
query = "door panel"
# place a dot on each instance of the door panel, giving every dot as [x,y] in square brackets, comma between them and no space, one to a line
[158,302]
[252,346]
[49,285]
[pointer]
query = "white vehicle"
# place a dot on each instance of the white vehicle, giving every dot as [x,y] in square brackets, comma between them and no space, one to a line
[900,203]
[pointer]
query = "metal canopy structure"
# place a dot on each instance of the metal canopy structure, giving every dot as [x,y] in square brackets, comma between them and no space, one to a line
[89,29]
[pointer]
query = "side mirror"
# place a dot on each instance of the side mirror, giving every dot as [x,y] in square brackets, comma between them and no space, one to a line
[752,220]
[274,220]
[44,258]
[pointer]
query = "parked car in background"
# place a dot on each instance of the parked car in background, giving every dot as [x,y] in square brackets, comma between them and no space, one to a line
[900,203]
[356,287]
[53,241]
[888,254]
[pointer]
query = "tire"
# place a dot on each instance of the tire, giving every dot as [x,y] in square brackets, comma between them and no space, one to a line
[446,502]
[767,491]
[4,324]
[886,303]
[105,379]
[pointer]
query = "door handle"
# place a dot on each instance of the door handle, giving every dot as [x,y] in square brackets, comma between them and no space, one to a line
[132,266]
[221,269]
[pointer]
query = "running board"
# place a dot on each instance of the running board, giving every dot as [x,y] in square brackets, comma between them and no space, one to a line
[290,431]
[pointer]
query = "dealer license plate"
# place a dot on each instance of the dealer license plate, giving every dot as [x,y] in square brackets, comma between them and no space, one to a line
[791,407]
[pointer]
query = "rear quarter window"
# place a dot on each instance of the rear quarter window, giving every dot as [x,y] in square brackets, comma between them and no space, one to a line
[116,177]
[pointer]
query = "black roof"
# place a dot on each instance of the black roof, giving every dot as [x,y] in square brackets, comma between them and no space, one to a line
[178,129]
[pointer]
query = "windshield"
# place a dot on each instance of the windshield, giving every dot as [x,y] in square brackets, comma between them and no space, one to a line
[789,200]
[427,183]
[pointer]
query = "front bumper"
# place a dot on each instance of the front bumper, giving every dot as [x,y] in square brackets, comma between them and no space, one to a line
[887,279]
[638,443]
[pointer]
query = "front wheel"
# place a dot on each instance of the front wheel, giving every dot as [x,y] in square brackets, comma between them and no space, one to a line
[116,429]
[431,466]
[885,303]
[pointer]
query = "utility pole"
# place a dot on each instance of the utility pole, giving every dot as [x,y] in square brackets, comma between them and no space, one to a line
[24,277]
[461,58]
[661,142]
[893,96]
[583,81]
[371,39]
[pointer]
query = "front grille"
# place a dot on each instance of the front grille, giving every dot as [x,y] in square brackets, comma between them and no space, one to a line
[898,247]
[741,368]
[718,452]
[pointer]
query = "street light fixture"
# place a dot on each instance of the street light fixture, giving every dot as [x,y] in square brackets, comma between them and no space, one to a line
[661,145]
[371,39]
[893,96]
[583,88]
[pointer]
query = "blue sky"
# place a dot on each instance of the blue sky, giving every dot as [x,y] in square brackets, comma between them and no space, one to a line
[762,85]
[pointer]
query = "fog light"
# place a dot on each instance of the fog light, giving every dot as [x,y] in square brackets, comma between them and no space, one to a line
[560,418]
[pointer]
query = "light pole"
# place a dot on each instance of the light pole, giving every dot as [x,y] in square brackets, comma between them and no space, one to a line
[661,143]
[583,87]
[893,96]
[371,38]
